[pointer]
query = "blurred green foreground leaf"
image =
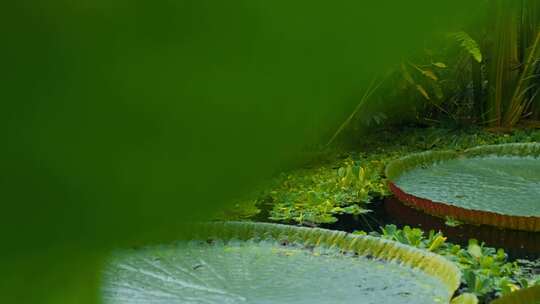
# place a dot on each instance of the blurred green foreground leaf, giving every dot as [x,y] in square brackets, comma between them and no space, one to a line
[122,120]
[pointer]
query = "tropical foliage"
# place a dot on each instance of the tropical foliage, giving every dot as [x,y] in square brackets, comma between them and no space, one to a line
[487,74]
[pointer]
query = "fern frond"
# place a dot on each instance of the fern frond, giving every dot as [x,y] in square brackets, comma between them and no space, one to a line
[469,44]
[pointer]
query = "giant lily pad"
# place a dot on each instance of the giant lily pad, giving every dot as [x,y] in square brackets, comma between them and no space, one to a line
[268,263]
[493,185]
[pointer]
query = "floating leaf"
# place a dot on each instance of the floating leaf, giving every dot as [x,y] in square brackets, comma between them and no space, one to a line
[466,298]
[475,185]
[268,263]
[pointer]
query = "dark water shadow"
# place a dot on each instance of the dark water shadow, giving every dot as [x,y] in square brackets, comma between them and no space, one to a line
[518,244]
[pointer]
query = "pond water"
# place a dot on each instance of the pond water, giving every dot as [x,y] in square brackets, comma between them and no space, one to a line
[518,244]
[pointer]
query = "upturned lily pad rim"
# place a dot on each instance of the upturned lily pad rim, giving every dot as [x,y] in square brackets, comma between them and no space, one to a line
[442,209]
[372,247]
[466,298]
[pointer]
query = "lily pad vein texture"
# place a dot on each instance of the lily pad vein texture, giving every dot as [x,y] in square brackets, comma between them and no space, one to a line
[271,264]
[495,185]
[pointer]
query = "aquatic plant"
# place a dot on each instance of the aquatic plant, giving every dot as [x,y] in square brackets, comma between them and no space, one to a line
[487,272]
[314,196]
[232,262]
[474,185]
[125,119]
[465,299]
[309,195]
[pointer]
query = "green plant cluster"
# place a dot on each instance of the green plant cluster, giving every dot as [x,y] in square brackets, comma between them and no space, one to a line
[315,196]
[486,271]
[343,183]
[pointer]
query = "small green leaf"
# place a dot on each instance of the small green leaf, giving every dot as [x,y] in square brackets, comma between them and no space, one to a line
[474,249]
[469,44]
[440,65]
[423,91]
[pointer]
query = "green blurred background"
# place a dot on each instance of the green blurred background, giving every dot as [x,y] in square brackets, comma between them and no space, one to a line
[123,120]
